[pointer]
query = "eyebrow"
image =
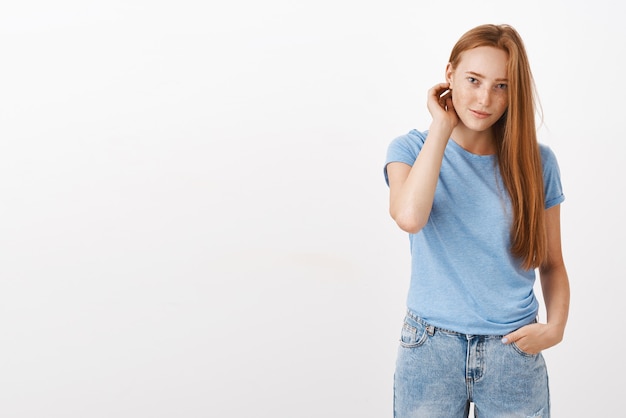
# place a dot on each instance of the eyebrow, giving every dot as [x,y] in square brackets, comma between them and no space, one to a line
[482,76]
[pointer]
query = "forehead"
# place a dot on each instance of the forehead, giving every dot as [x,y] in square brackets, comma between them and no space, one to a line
[486,60]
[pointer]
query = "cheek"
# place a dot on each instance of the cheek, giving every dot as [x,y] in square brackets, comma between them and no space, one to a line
[458,96]
[502,105]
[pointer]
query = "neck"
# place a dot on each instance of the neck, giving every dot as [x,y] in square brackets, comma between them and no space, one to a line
[479,143]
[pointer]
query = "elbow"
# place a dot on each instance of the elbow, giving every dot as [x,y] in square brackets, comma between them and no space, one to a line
[408,222]
[410,227]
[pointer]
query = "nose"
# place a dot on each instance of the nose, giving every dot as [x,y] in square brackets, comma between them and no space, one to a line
[484,96]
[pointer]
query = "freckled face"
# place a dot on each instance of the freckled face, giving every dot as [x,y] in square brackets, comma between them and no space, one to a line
[479,87]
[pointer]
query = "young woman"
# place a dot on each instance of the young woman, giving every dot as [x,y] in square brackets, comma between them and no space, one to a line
[480,199]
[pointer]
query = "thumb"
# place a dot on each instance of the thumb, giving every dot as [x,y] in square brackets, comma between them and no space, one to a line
[510,338]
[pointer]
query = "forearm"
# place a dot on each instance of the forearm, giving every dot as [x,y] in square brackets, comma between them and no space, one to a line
[556,295]
[534,338]
[412,202]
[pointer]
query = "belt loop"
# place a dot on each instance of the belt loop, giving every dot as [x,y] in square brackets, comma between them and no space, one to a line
[431,330]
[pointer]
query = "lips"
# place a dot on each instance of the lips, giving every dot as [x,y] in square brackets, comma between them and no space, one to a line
[480,115]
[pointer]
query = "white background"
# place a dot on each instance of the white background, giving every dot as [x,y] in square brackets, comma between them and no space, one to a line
[193,216]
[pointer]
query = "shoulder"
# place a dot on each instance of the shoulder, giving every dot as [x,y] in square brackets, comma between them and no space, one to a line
[410,142]
[404,149]
[548,158]
[413,136]
[546,152]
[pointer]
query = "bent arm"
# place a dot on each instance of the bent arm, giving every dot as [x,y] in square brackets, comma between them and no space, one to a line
[554,279]
[412,189]
[536,337]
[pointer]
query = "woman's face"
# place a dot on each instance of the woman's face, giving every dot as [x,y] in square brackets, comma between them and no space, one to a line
[479,86]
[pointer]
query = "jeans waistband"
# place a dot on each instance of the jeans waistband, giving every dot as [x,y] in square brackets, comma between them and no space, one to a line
[432,328]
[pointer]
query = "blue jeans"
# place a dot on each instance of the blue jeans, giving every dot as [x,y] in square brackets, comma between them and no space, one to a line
[439,372]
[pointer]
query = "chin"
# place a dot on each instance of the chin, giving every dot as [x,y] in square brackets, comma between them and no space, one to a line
[478,126]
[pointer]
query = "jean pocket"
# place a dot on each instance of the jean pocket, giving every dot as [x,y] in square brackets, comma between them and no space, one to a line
[522,352]
[413,334]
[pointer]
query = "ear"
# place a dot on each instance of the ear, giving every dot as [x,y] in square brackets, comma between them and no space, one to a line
[449,72]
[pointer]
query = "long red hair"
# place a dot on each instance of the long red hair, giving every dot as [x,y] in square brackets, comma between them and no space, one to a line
[518,153]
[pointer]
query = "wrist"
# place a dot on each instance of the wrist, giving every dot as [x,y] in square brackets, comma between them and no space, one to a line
[556,331]
[440,130]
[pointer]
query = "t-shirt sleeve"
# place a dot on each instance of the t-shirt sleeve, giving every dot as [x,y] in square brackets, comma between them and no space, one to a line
[551,178]
[404,149]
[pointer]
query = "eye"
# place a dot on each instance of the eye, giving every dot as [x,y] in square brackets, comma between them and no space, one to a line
[472,80]
[502,86]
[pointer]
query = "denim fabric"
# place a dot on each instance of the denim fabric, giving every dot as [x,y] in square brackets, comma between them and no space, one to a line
[439,372]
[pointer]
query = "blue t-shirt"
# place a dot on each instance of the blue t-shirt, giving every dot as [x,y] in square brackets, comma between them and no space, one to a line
[463,275]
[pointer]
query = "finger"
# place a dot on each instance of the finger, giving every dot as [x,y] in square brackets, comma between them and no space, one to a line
[439,89]
[510,338]
[449,104]
[444,98]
